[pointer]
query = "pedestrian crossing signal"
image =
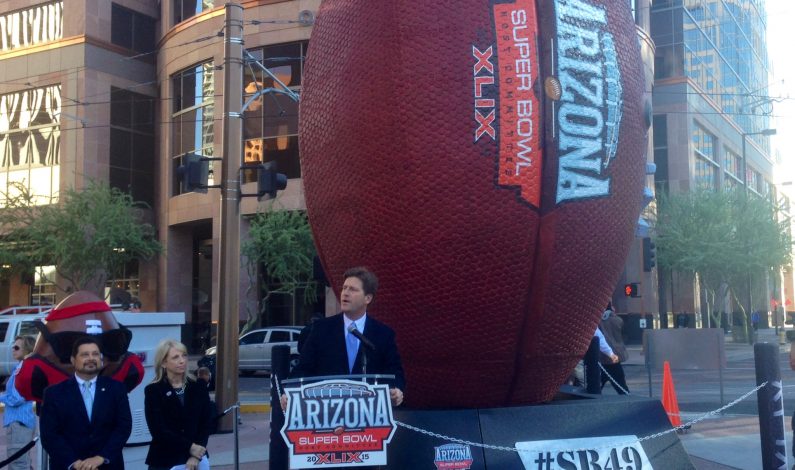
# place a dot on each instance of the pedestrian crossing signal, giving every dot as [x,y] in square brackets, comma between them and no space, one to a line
[632,290]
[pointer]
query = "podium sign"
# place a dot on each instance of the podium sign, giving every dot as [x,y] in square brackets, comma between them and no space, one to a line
[337,423]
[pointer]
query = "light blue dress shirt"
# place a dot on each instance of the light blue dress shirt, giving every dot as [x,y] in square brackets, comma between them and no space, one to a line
[16,408]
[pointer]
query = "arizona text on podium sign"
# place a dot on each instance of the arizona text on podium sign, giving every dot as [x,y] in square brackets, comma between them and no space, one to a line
[338,423]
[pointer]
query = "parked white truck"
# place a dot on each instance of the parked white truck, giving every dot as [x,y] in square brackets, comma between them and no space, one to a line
[16,321]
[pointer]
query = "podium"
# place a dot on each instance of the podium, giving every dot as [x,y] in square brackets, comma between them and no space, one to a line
[333,421]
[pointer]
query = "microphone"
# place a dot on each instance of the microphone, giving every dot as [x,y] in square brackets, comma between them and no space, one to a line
[358,334]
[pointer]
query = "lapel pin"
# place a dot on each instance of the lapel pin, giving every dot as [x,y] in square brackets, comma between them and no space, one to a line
[168,394]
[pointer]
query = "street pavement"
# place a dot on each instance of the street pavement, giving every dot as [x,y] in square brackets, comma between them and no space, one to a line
[729,440]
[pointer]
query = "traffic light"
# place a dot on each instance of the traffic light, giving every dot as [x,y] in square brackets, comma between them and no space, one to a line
[269,181]
[632,289]
[649,254]
[193,173]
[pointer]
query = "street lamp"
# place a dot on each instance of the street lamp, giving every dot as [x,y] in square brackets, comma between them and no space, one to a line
[767,132]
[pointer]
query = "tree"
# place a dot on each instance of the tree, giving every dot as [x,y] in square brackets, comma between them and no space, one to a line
[89,235]
[720,236]
[280,251]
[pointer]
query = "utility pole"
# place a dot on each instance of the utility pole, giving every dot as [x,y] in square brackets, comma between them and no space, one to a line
[229,235]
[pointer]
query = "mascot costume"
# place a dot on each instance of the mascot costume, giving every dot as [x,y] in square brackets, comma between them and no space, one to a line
[81,313]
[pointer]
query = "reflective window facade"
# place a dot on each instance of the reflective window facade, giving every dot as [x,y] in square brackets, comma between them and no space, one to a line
[270,130]
[720,45]
[31,26]
[192,117]
[30,142]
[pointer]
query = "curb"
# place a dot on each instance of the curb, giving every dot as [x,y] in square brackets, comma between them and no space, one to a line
[255,408]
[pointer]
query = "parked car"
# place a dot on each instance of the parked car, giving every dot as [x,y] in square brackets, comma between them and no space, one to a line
[255,349]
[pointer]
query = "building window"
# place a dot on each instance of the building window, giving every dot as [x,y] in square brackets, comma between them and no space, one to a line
[127,280]
[729,181]
[132,30]
[732,163]
[288,309]
[660,132]
[705,175]
[184,9]
[31,26]
[270,127]
[754,180]
[132,144]
[30,143]
[703,142]
[192,119]
[43,291]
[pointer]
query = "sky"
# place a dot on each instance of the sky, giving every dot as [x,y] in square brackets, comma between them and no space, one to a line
[781,53]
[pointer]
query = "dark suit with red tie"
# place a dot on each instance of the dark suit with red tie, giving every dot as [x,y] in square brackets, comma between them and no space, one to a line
[325,351]
[66,432]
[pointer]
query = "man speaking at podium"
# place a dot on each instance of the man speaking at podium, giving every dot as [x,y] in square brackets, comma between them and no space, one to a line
[337,345]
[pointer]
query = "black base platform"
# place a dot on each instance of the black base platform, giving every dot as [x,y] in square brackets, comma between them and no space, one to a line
[571,416]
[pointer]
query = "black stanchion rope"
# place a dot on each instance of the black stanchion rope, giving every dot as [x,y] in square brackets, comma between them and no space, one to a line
[20,452]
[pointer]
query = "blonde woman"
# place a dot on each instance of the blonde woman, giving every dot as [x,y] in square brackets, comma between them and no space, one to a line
[177,411]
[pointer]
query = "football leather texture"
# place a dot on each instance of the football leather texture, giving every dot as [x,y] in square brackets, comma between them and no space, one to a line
[485,159]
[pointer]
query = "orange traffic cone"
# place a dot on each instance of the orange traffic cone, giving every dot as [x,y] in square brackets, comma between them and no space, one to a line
[669,396]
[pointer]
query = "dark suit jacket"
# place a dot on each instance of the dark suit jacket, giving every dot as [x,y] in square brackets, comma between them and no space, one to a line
[325,353]
[66,433]
[175,427]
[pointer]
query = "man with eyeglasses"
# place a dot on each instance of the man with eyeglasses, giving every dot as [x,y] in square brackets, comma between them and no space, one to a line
[18,418]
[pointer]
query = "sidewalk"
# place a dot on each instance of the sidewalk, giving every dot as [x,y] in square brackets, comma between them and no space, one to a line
[728,441]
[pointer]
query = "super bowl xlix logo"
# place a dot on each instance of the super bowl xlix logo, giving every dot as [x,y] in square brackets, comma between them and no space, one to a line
[506,102]
[338,423]
[587,114]
[453,457]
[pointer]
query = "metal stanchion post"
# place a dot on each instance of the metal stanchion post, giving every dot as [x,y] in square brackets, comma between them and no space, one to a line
[770,400]
[280,369]
[44,459]
[237,439]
